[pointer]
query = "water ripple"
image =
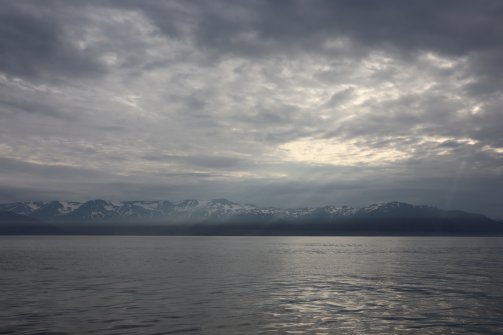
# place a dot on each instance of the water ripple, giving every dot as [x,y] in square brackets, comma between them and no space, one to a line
[212,285]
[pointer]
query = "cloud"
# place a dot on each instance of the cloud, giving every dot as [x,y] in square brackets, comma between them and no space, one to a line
[34,43]
[274,102]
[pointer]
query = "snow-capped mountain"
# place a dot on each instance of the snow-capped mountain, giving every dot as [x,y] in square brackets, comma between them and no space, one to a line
[216,210]
[101,210]
[22,208]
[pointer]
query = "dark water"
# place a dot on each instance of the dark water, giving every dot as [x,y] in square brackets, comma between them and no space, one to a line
[251,285]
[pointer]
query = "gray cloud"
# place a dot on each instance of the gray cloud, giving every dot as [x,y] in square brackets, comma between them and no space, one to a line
[34,42]
[288,103]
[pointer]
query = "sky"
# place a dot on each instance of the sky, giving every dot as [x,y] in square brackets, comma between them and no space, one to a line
[281,103]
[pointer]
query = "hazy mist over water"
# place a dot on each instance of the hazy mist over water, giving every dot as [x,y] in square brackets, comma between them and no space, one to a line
[251,285]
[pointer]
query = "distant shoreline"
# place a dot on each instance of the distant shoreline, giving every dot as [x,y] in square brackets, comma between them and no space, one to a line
[265,229]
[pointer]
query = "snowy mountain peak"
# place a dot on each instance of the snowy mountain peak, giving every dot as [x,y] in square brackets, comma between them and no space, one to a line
[385,206]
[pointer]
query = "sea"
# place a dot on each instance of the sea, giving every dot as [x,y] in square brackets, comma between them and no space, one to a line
[250,285]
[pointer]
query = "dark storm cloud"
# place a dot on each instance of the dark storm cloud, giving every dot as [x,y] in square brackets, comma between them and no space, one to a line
[257,27]
[33,41]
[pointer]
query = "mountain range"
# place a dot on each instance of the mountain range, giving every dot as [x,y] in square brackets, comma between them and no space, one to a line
[164,211]
[224,216]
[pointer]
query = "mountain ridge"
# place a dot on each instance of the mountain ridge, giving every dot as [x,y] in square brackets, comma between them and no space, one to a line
[216,210]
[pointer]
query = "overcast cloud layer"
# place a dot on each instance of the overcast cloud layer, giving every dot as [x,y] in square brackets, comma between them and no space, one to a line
[285,103]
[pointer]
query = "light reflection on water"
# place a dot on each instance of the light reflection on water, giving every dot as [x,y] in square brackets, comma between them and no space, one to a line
[251,285]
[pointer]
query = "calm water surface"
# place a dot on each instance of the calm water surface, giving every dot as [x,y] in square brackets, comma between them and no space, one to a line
[251,285]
